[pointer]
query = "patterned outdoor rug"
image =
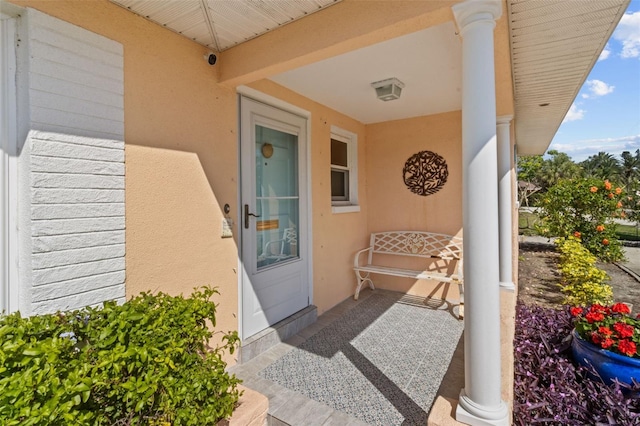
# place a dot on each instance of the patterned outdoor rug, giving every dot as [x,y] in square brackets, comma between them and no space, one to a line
[381,362]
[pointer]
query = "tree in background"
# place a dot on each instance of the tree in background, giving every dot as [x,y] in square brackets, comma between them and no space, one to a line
[542,173]
[558,166]
[630,170]
[630,177]
[584,208]
[601,166]
[529,168]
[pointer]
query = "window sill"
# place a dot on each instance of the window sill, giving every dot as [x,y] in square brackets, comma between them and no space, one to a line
[345,209]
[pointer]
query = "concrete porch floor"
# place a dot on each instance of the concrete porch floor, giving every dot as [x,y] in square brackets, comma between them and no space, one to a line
[290,407]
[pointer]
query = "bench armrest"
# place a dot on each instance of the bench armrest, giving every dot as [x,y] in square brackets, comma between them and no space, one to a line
[356,259]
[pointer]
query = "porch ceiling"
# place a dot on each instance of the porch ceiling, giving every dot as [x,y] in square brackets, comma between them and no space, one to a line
[220,25]
[428,62]
[554,45]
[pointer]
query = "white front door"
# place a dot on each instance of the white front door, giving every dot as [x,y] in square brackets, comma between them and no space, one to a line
[274,223]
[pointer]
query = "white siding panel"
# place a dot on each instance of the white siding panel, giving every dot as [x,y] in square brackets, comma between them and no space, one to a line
[68,257]
[50,180]
[76,163]
[67,242]
[42,228]
[80,270]
[79,77]
[80,285]
[41,20]
[61,86]
[64,165]
[68,104]
[79,300]
[46,44]
[76,211]
[74,122]
[76,196]
[554,45]
[62,129]
[77,140]
[65,150]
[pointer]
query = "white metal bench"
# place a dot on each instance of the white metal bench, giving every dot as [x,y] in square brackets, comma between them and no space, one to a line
[426,245]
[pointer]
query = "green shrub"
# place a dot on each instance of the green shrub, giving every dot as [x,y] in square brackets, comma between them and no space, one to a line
[582,282]
[144,362]
[584,208]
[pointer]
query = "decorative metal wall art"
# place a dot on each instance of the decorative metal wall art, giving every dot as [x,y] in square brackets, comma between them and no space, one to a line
[425,173]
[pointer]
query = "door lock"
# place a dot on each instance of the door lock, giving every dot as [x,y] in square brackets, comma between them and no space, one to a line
[246,216]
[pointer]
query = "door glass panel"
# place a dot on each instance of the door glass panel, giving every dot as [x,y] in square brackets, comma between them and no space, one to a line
[277,197]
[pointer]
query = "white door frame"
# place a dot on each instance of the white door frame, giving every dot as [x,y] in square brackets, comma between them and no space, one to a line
[9,284]
[285,106]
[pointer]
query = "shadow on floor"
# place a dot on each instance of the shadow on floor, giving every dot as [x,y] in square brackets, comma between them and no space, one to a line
[378,361]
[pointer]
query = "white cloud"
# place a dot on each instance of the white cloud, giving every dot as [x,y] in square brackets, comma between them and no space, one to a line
[605,53]
[574,114]
[597,88]
[582,149]
[628,33]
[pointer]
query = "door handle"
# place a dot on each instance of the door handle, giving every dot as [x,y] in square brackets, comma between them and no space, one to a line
[246,216]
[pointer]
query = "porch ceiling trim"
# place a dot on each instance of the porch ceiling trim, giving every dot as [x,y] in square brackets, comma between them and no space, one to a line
[554,45]
[220,25]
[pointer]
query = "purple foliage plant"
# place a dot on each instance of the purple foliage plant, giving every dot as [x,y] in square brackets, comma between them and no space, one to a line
[549,389]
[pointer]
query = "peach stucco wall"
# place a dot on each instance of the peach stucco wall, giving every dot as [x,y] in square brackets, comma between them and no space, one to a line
[393,206]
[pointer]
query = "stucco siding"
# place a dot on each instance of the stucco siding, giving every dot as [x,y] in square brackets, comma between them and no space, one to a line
[75,97]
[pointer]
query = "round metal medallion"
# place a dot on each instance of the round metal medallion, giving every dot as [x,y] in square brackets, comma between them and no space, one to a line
[425,173]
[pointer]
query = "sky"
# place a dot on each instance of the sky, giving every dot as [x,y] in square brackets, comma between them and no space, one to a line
[605,115]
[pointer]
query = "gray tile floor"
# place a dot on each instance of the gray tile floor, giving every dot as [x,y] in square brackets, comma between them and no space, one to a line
[349,361]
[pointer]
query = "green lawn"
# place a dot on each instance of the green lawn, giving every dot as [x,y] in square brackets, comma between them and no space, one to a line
[628,232]
[526,223]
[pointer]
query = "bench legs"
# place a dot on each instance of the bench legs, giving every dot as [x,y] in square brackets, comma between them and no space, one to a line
[361,280]
[461,288]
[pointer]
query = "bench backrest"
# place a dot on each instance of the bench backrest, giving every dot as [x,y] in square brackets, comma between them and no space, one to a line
[416,243]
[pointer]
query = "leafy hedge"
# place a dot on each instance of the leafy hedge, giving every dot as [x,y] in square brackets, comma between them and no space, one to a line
[582,281]
[549,389]
[143,362]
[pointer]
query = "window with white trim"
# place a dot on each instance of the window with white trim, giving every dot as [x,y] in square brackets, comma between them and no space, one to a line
[344,171]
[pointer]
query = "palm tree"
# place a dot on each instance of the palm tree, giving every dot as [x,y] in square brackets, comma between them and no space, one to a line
[558,166]
[630,170]
[602,166]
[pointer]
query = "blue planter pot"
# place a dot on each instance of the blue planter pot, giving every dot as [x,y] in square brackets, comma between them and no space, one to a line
[609,365]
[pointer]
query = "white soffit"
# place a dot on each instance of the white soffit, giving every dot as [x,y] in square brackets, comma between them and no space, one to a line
[428,62]
[218,24]
[554,45]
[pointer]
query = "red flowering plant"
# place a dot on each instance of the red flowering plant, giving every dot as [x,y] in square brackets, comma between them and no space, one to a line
[609,327]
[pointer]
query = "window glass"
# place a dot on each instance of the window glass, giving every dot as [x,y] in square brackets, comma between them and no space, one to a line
[339,153]
[339,185]
[344,171]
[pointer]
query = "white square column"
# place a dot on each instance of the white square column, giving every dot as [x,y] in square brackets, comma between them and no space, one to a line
[480,401]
